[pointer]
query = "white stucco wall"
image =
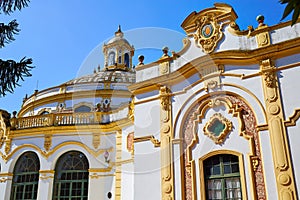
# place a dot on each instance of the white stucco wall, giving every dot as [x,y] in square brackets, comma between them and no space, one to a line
[293,139]
[147,176]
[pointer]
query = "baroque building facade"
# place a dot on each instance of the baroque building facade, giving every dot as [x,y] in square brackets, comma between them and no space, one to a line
[216,120]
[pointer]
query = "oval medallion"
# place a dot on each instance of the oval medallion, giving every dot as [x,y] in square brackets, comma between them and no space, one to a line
[207,30]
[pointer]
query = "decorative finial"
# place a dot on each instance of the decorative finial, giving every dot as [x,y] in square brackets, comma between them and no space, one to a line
[119,33]
[260,19]
[99,68]
[94,71]
[141,60]
[165,51]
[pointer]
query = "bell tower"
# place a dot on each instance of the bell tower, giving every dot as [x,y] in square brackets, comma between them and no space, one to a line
[118,52]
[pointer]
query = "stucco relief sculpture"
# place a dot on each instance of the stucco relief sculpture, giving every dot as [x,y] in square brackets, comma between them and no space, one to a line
[208,33]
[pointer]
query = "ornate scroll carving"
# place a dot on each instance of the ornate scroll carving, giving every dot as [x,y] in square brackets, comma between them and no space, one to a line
[206,26]
[165,99]
[7,146]
[96,140]
[208,33]
[131,110]
[164,68]
[263,39]
[4,126]
[48,142]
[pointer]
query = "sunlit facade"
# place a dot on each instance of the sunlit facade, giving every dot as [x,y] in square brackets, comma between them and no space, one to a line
[216,120]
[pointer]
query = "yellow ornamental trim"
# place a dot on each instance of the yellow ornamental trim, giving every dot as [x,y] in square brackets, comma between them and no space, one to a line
[217,128]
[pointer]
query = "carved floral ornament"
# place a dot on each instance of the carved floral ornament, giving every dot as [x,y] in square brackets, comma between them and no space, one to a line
[208,33]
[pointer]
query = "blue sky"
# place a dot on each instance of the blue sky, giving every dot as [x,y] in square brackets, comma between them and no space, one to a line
[59,35]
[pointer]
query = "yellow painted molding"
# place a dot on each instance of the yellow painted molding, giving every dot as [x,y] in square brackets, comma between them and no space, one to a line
[4,179]
[150,138]
[232,57]
[293,118]
[123,162]
[118,164]
[99,170]
[6,174]
[47,171]
[52,151]
[97,176]
[177,141]
[262,127]
[44,177]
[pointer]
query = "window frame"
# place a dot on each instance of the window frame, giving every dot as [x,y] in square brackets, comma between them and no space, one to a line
[203,187]
[34,184]
[57,183]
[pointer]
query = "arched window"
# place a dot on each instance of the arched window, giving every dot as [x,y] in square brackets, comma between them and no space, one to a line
[26,177]
[44,112]
[83,109]
[126,58]
[222,177]
[111,58]
[71,177]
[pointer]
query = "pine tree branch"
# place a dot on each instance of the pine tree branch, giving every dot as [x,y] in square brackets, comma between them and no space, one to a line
[7,32]
[11,72]
[292,6]
[9,6]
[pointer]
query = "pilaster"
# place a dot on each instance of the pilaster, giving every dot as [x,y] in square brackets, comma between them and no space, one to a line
[45,186]
[277,131]
[167,177]
[118,173]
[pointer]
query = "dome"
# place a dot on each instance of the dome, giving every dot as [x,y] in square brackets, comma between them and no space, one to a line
[107,87]
[105,91]
[118,38]
[112,76]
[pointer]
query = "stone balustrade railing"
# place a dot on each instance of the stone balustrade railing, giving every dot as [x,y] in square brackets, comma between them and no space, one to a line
[61,119]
